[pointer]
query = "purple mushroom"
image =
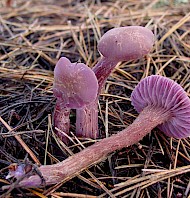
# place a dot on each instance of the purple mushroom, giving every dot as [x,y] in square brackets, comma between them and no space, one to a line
[166,102]
[75,85]
[118,44]
[160,101]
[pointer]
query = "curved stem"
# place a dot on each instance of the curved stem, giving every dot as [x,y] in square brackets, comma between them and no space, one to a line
[61,120]
[149,118]
[87,117]
[102,70]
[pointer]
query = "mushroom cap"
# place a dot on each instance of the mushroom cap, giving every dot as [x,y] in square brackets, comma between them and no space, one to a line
[126,43]
[163,92]
[75,84]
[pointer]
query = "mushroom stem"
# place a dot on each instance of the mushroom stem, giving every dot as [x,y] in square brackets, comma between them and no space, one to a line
[103,69]
[87,121]
[87,116]
[62,120]
[149,118]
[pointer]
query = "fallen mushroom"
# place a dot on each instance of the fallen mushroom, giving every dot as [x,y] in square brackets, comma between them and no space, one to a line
[165,99]
[75,85]
[118,44]
[160,101]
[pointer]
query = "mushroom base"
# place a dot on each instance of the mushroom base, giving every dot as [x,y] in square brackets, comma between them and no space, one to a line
[61,121]
[87,121]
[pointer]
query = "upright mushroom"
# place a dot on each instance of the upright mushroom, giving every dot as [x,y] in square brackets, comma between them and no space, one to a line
[75,85]
[118,44]
[160,101]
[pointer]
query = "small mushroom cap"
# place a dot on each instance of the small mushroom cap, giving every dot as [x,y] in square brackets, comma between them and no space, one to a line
[126,43]
[163,92]
[75,84]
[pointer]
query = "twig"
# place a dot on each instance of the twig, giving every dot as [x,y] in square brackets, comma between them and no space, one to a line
[23,144]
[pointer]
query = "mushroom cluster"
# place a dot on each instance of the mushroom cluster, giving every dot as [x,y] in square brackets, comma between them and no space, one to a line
[72,83]
[160,102]
[75,85]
